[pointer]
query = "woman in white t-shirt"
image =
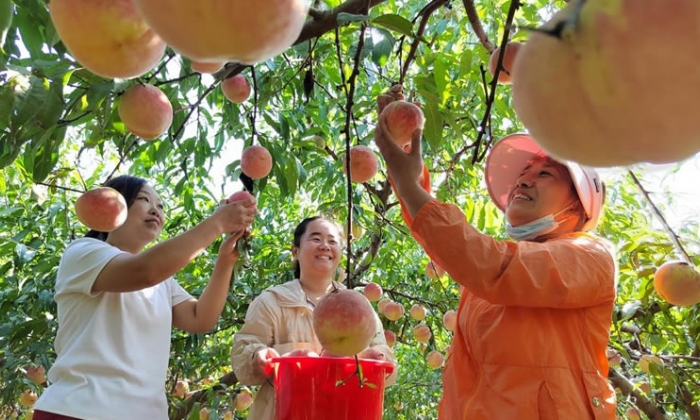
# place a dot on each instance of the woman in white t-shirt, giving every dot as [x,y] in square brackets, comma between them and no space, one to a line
[117,304]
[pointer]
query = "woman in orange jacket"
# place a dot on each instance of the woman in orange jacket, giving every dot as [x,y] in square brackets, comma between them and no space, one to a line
[535,315]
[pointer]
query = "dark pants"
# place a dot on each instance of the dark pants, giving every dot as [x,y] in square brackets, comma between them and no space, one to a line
[43,415]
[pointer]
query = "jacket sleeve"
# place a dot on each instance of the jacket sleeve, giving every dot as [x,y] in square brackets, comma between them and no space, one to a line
[572,272]
[379,343]
[256,334]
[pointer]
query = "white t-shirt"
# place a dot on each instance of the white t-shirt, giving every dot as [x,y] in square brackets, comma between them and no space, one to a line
[112,348]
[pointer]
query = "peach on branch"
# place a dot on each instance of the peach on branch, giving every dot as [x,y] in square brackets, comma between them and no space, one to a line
[256,162]
[242,31]
[607,83]
[102,209]
[504,77]
[373,292]
[393,311]
[236,89]
[422,333]
[390,338]
[678,283]
[108,37]
[418,312]
[435,359]
[145,111]
[363,164]
[449,319]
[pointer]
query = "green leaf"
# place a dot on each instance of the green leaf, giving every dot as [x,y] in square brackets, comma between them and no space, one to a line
[395,22]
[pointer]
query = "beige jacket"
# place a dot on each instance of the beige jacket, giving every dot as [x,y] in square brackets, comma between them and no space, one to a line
[280,318]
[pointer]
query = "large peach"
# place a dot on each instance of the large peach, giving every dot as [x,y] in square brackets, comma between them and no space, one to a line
[363,164]
[504,77]
[236,88]
[678,283]
[108,37]
[256,162]
[344,322]
[145,111]
[102,209]
[401,120]
[610,84]
[373,292]
[243,31]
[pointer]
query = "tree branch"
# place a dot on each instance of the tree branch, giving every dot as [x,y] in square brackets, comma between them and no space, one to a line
[641,401]
[473,16]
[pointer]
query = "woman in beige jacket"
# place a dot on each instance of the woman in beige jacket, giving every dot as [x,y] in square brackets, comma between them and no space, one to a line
[279,320]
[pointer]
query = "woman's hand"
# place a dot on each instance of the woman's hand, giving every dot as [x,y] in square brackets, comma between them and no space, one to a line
[235,216]
[262,361]
[228,250]
[405,167]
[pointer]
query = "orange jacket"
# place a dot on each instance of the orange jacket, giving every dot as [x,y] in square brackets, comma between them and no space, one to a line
[533,322]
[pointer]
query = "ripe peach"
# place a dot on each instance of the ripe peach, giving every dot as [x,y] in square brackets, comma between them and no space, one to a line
[610,95]
[205,67]
[228,415]
[236,89]
[102,209]
[363,164]
[393,311]
[647,360]
[256,162]
[422,333]
[181,389]
[239,196]
[344,322]
[632,414]
[108,37]
[418,312]
[36,374]
[373,292]
[204,413]
[401,119]
[504,77]
[243,400]
[435,359]
[678,283]
[28,398]
[448,350]
[390,338]
[145,111]
[433,271]
[449,320]
[226,30]
[381,305]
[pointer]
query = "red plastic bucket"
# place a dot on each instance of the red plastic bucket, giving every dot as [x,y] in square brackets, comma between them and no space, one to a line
[328,388]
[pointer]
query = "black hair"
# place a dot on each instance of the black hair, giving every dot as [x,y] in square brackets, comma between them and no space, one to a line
[129,187]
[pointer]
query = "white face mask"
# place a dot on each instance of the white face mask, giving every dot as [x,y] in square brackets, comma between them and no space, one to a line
[536,228]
